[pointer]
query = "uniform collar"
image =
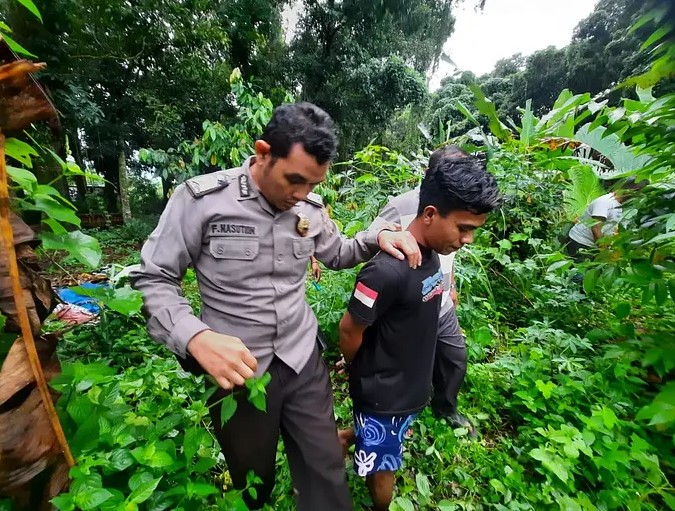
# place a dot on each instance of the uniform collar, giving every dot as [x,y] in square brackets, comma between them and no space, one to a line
[245,183]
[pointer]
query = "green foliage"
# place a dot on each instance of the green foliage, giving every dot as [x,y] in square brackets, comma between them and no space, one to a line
[585,187]
[572,391]
[344,54]
[219,146]
[56,212]
[138,439]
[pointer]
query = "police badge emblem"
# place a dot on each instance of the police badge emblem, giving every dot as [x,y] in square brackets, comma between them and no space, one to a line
[303,225]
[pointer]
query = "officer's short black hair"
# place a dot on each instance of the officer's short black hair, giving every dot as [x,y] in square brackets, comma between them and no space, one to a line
[457,181]
[448,151]
[301,123]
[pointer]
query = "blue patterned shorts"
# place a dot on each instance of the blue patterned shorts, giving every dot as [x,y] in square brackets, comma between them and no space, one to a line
[379,442]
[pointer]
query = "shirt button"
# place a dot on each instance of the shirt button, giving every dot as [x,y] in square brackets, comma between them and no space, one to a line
[280,257]
[248,252]
[219,251]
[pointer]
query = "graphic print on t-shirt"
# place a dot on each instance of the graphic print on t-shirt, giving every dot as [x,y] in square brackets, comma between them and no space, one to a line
[365,295]
[432,286]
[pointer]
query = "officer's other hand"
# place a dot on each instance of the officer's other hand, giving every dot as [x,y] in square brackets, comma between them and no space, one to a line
[401,245]
[316,269]
[454,297]
[224,357]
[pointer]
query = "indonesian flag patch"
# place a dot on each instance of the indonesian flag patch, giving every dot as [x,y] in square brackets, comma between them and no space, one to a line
[365,295]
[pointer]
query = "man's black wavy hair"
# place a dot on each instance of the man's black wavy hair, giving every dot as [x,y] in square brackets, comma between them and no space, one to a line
[457,181]
[305,124]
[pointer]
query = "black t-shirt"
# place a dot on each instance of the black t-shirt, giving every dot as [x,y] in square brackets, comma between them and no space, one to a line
[391,373]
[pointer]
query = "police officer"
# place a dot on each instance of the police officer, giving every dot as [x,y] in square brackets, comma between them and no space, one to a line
[248,232]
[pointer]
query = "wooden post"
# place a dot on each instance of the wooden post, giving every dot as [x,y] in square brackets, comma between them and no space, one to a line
[26,333]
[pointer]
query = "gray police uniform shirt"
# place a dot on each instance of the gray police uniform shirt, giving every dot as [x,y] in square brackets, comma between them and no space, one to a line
[251,264]
[403,210]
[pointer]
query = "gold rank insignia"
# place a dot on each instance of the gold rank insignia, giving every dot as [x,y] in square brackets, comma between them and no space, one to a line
[303,225]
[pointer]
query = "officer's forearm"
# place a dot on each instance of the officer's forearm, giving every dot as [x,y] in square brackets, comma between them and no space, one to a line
[347,253]
[171,320]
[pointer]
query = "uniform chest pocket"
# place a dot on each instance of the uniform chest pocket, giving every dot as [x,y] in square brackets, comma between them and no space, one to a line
[234,248]
[303,248]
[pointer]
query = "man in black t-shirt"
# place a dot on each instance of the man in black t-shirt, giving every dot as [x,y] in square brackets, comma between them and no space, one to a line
[388,334]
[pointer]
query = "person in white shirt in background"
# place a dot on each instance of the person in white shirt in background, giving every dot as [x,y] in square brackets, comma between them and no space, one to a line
[601,218]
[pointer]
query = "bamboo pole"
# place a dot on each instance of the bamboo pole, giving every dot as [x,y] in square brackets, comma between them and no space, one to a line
[26,333]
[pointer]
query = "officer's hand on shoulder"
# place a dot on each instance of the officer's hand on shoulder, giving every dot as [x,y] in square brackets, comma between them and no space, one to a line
[224,357]
[401,245]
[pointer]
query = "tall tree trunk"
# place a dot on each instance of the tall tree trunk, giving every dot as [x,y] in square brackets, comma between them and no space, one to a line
[166,188]
[107,165]
[80,181]
[124,184]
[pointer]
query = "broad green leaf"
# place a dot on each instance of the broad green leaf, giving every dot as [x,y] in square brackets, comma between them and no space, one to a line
[23,178]
[92,498]
[645,95]
[558,265]
[63,502]
[466,112]
[201,489]
[527,121]
[446,505]
[609,417]
[655,37]
[20,151]
[192,442]
[668,499]
[488,109]
[28,4]
[81,246]
[121,459]
[661,237]
[498,485]
[610,146]
[16,47]
[160,459]
[622,310]
[54,209]
[126,301]
[87,435]
[138,479]
[401,504]
[660,292]
[423,487]
[258,399]
[552,462]
[545,388]
[143,491]
[55,226]
[227,408]
[585,187]
[265,379]
[590,280]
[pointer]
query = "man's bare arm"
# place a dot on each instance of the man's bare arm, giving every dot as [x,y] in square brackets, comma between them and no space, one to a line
[597,228]
[351,336]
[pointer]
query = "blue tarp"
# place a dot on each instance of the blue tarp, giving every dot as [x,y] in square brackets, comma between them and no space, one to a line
[69,295]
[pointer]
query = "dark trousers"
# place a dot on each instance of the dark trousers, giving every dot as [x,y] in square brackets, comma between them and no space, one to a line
[449,365]
[575,251]
[300,407]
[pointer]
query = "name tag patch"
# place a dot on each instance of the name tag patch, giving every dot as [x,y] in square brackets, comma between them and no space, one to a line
[226,229]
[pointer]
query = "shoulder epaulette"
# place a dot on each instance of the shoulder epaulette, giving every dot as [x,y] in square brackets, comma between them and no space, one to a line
[314,199]
[207,183]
